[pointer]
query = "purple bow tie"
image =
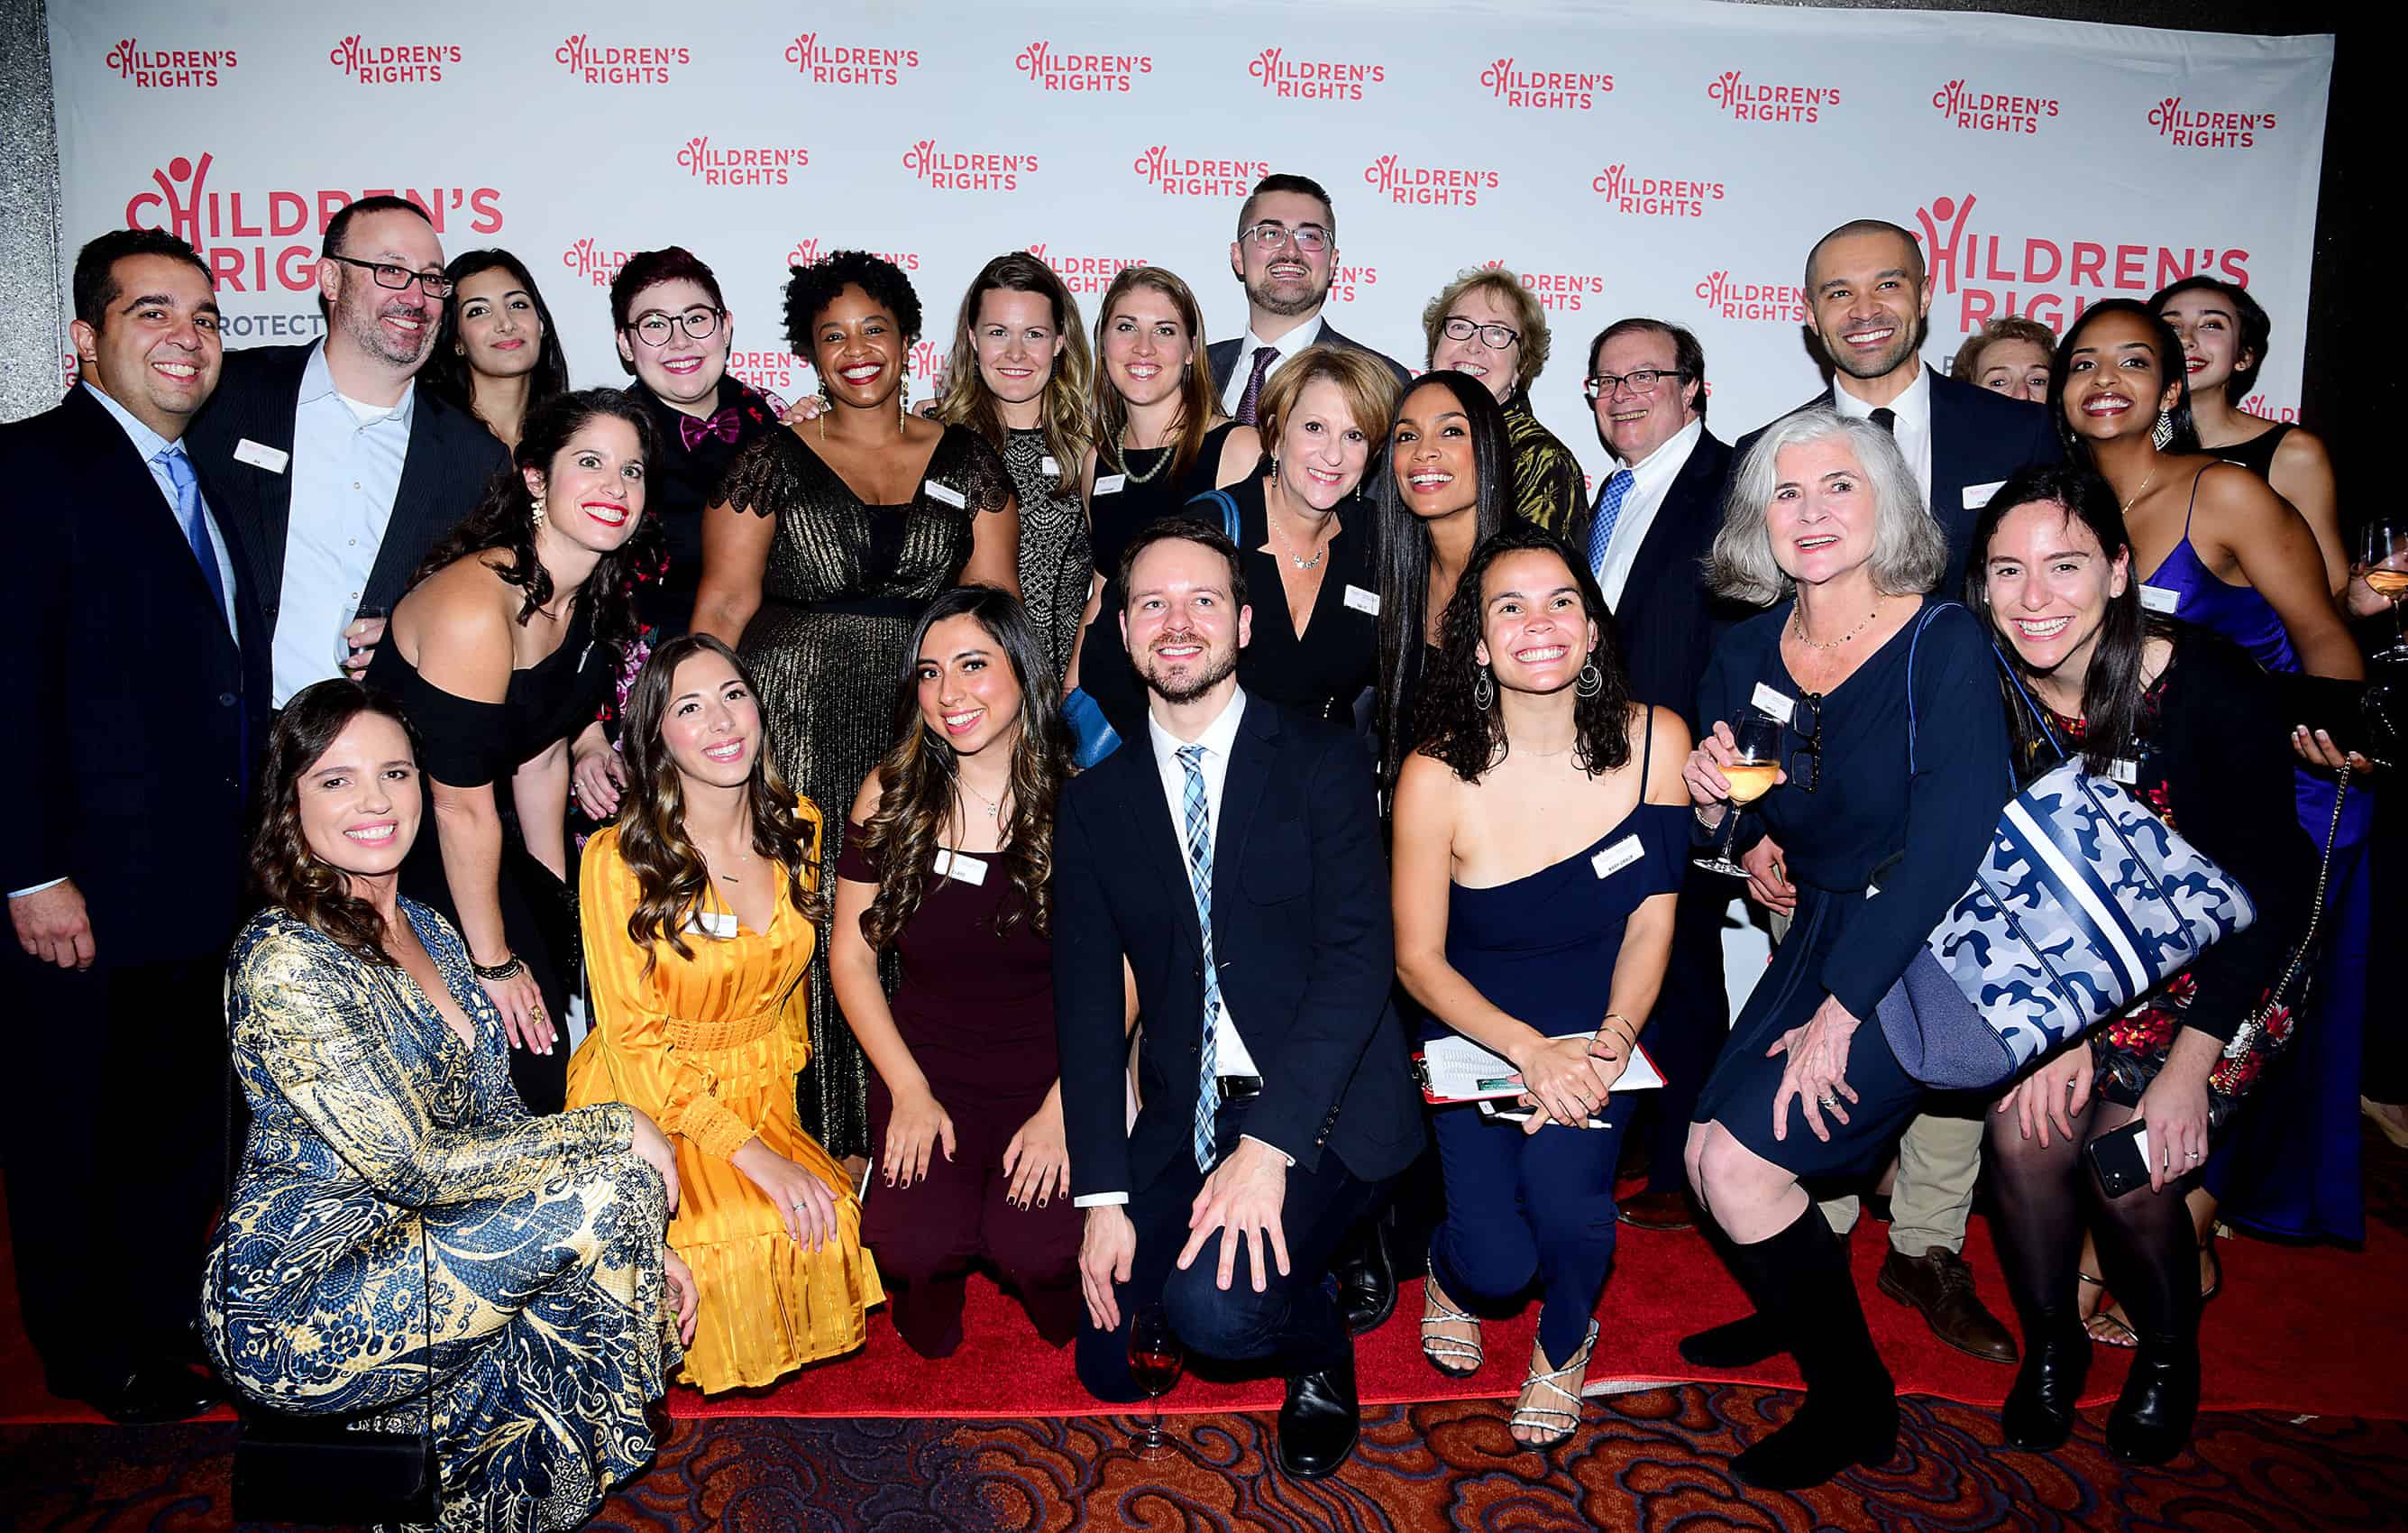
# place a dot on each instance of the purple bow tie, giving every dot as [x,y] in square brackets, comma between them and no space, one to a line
[723,425]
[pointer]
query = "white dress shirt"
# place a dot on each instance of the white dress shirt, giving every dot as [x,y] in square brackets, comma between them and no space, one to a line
[346,468]
[1286,346]
[1913,428]
[1651,480]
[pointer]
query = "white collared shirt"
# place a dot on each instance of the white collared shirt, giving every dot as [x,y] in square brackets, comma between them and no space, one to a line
[1651,480]
[1286,346]
[1230,1052]
[1912,429]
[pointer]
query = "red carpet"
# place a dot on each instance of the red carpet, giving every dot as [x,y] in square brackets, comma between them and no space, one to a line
[2314,1330]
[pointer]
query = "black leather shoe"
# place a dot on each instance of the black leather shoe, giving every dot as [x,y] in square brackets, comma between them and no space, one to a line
[2152,1419]
[155,1393]
[1366,1278]
[1319,1420]
[1825,1439]
[2039,1415]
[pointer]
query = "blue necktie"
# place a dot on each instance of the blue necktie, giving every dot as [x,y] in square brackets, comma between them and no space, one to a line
[1608,512]
[1199,879]
[195,520]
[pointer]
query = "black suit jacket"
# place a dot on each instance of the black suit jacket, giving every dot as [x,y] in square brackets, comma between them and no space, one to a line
[1667,620]
[1223,354]
[1978,439]
[1300,932]
[137,713]
[451,456]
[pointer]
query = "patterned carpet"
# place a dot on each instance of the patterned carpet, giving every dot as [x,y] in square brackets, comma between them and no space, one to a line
[1654,1460]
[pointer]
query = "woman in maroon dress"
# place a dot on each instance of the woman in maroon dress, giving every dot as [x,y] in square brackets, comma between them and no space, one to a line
[947,862]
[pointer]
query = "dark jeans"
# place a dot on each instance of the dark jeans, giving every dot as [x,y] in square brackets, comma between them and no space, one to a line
[1292,1326]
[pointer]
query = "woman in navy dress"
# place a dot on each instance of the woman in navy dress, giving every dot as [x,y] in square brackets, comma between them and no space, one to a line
[1539,841]
[1825,514]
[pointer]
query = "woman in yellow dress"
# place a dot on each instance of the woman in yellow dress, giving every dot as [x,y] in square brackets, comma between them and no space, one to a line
[697,910]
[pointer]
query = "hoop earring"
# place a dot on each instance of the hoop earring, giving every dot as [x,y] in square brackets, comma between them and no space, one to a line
[2163,432]
[1590,682]
[1483,689]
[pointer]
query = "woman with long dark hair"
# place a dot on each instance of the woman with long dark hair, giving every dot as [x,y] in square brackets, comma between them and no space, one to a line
[1541,837]
[831,538]
[385,1134]
[1449,487]
[699,907]
[949,866]
[2194,726]
[497,354]
[501,654]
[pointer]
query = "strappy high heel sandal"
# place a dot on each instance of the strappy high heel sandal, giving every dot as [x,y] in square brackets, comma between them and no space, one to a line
[1558,1423]
[2103,1328]
[1453,1355]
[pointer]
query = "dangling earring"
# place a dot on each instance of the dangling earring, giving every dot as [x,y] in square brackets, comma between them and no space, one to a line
[2163,432]
[536,510]
[1483,689]
[1590,682]
[905,388]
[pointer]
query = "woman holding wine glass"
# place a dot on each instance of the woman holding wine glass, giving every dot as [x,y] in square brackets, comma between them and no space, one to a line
[2383,566]
[1825,520]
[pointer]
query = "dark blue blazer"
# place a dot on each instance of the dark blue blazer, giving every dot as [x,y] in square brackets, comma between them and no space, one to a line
[136,715]
[1978,437]
[1667,620]
[1301,934]
[1223,355]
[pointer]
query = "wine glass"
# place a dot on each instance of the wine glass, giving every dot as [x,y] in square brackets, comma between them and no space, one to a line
[1157,1359]
[1755,762]
[346,656]
[2383,554]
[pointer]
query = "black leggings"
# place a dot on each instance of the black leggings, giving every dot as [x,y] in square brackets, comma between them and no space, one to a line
[2149,1250]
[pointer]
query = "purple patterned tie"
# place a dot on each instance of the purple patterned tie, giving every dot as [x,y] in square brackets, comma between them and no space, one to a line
[1264,357]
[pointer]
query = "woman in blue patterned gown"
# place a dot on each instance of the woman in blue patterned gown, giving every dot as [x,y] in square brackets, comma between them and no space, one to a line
[392,1186]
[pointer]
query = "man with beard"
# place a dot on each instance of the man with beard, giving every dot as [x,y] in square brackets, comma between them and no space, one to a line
[1870,292]
[1232,863]
[338,470]
[1286,255]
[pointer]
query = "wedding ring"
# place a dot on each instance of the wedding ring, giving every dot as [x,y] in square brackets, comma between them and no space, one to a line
[1828,1102]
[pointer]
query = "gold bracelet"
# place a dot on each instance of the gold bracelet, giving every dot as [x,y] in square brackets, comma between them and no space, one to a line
[1631,1035]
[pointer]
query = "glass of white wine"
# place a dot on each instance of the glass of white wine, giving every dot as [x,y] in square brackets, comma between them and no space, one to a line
[2384,560]
[1756,761]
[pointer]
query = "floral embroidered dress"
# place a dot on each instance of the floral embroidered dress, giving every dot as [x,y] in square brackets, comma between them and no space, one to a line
[377,1134]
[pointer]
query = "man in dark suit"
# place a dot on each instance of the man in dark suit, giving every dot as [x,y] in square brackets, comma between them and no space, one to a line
[1231,858]
[1869,293]
[1647,538]
[1286,255]
[135,689]
[340,471]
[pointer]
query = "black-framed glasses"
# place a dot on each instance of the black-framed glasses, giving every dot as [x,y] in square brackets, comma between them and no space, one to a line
[386,275]
[1495,336]
[1638,381]
[654,328]
[1806,722]
[1312,239]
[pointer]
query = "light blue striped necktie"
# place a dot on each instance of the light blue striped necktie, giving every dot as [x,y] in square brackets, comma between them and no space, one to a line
[1199,879]
[1608,512]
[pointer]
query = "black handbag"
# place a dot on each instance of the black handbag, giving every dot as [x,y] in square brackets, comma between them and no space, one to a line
[328,1469]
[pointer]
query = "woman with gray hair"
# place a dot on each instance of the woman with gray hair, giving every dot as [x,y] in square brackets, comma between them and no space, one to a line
[1825,522]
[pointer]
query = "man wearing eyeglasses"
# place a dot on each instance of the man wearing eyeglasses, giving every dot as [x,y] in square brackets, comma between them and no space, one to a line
[1646,538]
[1286,254]
[339,472]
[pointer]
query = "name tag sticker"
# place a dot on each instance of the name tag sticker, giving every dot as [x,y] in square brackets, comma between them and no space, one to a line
[1362,600]
[1110,484]
[1978,496]
[960,867]
[945,493]
[719,924]
[261,455]
[2157,599]
[1047,466]
[1621,854]
[1773,704]
[2125,772]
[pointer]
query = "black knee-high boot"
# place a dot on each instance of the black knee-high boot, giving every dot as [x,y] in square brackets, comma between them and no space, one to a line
[1735,1344]
[1802,1286]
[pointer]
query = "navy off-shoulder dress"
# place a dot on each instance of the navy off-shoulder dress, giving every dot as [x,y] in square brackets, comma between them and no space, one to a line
[1877,853]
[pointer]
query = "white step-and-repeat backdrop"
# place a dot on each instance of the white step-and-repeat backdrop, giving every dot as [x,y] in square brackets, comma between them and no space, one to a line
[1671,158]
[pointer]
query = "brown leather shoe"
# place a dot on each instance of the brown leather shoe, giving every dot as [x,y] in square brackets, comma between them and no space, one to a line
[1938,1284]
[1657,1211]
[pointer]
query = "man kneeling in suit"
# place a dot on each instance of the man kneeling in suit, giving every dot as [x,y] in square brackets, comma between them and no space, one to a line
[1231,857]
